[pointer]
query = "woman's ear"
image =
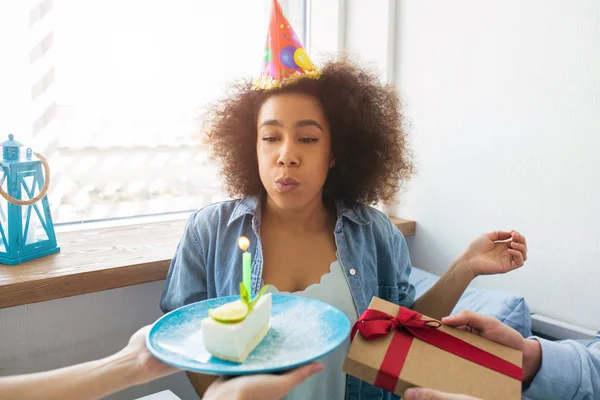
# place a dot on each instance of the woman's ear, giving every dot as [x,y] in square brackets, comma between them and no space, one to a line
[331,162]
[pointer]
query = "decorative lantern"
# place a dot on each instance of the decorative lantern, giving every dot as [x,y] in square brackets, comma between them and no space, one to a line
[26,227]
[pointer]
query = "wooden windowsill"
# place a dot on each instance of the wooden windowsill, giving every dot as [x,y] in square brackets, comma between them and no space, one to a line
[100,259]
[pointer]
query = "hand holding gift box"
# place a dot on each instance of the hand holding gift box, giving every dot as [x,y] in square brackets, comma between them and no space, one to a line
[396,348]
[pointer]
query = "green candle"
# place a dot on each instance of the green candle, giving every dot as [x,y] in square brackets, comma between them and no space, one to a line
[243,244]
[247,265]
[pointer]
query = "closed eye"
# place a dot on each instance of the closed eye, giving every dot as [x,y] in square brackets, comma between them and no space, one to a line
[308,140]
[270,138]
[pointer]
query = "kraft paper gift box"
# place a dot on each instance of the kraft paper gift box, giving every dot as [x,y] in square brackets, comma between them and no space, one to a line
[395,358]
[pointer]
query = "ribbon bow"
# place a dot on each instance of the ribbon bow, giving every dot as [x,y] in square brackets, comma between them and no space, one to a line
[407,325]
[373,324]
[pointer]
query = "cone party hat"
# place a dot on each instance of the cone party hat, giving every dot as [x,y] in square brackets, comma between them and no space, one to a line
[285,60]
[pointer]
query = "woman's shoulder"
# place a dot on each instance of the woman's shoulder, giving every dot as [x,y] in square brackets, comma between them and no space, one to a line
[216,210]
[217,218]
[378,221]
[224,211]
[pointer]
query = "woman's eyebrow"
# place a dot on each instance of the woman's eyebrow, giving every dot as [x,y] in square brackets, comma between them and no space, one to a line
[308,122]
[271,122]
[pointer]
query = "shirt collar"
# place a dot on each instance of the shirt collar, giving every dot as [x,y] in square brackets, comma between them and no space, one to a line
[248,205]
[351,212]
[251,206]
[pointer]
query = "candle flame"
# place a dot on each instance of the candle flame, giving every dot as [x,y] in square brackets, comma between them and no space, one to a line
[243,243]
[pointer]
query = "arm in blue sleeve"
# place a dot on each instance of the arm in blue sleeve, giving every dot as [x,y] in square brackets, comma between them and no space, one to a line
[569,371]
[186,280]
[406,290]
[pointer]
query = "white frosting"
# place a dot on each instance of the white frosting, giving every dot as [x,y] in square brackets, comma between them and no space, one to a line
[235,341]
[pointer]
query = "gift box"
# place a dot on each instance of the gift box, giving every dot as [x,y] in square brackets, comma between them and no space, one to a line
[396,348]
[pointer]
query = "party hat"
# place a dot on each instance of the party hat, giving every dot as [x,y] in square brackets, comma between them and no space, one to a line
[285,59]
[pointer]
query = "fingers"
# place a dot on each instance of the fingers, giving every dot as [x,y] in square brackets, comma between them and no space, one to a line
[459,319]
[519,243]
[498,235]
[298,375]
[472,330]
[517,258]
[429,394]
[519,247]
[471,319]
[518,237]
[469,329]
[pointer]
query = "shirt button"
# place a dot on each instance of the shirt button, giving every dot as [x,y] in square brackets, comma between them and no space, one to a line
[352,271]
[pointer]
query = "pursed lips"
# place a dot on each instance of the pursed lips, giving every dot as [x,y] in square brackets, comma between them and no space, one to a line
[286,184]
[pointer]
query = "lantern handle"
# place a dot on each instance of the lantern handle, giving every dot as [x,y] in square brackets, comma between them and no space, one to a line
[42,193]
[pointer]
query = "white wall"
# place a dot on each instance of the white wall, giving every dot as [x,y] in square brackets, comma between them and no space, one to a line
[503,106]
[62,332]
[357,26]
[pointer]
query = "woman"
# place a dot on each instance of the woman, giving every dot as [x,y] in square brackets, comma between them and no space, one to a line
[306,159]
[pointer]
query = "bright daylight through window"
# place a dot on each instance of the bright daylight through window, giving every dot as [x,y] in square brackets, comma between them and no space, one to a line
[114,92]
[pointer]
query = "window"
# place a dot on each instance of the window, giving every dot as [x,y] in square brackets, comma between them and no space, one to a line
[111,93]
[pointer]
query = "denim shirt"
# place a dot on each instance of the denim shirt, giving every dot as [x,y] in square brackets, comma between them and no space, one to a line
[207,262]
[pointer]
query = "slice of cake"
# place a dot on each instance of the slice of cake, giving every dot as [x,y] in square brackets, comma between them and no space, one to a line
[233,330]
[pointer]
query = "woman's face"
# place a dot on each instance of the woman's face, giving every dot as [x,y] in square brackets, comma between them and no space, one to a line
[294,149]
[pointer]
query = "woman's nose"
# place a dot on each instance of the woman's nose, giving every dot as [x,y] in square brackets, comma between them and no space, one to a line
[288,157]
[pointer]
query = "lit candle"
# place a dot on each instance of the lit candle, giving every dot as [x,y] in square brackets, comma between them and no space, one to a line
[243,244]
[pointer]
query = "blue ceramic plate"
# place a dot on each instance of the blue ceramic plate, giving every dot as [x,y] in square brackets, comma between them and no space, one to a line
[302,330]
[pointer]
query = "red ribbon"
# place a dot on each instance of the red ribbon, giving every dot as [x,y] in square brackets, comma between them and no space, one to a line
[407,325]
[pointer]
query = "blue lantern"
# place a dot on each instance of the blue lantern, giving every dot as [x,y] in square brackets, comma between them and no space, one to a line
[26,227]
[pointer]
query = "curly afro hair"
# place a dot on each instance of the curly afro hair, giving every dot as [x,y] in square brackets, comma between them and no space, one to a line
[372,158]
